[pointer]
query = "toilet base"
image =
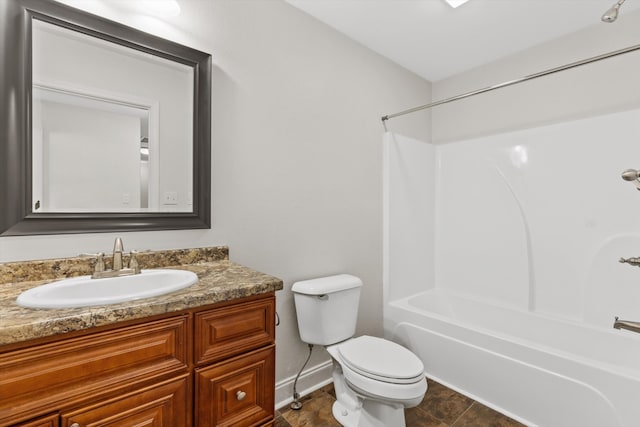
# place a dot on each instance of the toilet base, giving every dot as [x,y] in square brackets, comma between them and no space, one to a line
[381,414]
[346,417]
[371,414]
[357,408]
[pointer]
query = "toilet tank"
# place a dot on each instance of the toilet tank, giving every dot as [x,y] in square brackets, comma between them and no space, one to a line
[327,308]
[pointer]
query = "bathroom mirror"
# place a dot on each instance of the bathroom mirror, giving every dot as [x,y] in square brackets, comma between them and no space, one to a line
[103,128]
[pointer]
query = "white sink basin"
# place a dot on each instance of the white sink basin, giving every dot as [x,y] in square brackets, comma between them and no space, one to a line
[84,291]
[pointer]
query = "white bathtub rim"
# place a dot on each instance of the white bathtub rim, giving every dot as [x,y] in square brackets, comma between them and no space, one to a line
[594,364]
[444,292]
[513,360]
[611,368]
[404,303]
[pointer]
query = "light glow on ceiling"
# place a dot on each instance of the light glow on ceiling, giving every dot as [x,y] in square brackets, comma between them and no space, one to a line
[456,3]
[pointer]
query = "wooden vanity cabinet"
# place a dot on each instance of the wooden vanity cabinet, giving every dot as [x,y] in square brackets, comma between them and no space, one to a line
[213,366]
[235,386]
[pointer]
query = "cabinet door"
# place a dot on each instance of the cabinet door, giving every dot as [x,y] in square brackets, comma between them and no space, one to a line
[238,392]
[163,405]
[46,421]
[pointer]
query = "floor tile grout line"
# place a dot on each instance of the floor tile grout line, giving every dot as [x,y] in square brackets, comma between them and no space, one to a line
[462,414]
[430,414]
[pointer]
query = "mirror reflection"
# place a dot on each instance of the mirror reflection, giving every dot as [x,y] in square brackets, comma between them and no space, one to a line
[112,127]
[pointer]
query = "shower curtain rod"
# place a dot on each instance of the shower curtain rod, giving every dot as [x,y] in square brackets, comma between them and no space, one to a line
[516,81]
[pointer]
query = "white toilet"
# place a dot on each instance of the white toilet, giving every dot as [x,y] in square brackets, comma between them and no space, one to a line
[374,379]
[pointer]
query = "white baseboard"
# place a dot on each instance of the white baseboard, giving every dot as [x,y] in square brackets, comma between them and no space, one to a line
[310,380]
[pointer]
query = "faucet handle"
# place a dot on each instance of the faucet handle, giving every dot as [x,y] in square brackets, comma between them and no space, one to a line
[99,267]
[133,262]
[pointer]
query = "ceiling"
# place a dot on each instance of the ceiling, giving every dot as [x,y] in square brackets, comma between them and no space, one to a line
[436,41]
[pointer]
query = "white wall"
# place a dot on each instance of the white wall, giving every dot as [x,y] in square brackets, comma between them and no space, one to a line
[296,153]
[531,209]
[409,216]
[545,209]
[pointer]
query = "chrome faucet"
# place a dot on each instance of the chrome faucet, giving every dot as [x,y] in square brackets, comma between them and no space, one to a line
[117,254]
[625,324]
[117,269]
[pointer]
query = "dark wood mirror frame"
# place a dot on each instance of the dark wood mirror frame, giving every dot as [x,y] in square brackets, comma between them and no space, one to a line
[16,216]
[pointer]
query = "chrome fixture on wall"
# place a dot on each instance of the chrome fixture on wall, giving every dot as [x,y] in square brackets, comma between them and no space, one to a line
[612,13]
[626,324]
[635,261]
[633,176]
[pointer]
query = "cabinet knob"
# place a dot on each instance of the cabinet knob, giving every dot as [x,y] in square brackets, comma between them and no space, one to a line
[75,425]
[240,395]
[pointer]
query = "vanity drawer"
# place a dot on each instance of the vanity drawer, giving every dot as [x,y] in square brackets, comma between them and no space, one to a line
[239,392]
[161,405]
[228,331]
[75,369]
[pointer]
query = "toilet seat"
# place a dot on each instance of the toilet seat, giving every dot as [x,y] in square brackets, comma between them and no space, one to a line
[381,369]
[407,394]
[382,360]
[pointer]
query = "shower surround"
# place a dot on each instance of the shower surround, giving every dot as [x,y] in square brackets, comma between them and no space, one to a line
[501,266]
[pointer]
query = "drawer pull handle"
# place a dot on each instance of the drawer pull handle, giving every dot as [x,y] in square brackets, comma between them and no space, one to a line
[240,395]
[75,425]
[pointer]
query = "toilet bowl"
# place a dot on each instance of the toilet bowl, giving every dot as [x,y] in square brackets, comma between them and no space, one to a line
[374,379]
[381,368]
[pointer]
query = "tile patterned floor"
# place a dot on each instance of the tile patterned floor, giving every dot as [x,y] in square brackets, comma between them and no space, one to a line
[441,407]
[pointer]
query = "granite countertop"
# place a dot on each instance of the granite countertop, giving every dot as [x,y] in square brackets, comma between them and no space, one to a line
[219,280]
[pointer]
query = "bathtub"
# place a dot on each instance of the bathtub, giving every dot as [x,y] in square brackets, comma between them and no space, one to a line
[539,370]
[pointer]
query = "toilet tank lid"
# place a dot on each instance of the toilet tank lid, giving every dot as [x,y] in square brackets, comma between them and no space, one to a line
[326,285]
